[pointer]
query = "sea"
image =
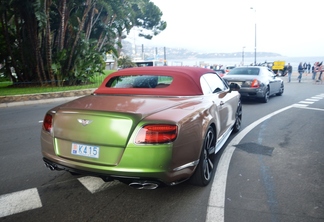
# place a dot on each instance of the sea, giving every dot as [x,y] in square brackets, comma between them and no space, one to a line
[236,61]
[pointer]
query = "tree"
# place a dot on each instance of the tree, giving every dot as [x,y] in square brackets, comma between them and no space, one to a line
[59,41]
[125,62]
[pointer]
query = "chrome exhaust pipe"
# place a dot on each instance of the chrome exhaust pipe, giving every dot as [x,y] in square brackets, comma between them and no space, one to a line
[49,166]
[144,185]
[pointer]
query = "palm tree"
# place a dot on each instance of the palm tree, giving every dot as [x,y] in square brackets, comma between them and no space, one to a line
[125,62]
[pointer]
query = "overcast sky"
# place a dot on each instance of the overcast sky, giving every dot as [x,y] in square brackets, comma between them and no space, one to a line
[290,28]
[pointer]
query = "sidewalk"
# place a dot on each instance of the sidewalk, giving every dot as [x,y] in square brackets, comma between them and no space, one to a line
[306,77]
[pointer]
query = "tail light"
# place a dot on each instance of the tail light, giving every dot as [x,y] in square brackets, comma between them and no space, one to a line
[255,83]
[157,133]
[47,123]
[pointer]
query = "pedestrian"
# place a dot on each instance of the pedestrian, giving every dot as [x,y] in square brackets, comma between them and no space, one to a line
[300,71]
[320,77]
[316,68]
[308,67]
[305,66]
[289,70]
[320,69]
[314,71]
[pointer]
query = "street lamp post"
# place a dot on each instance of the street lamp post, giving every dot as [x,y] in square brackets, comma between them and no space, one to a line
[255,35]
[243,55]
[165,62]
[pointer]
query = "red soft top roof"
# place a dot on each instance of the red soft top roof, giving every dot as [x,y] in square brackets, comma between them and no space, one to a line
[186,81]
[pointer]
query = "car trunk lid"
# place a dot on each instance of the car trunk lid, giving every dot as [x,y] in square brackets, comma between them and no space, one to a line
[242,81]
[96,129]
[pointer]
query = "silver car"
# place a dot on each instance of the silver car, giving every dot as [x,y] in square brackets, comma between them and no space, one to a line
[256,82]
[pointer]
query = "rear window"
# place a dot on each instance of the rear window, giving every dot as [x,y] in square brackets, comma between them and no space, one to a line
[245,71]
[139,81]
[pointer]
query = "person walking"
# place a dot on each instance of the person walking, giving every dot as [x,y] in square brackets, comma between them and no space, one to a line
[320,77]
[300,71]
[305,66]
[309,67]
[320,70]
[289,70]
[314,70]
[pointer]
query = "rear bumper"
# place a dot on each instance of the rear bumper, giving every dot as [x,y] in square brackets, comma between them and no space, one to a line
[251,93]
[154,163]
[106,177]
[124,175]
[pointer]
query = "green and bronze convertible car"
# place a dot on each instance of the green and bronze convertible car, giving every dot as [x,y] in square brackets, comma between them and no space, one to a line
[146,127]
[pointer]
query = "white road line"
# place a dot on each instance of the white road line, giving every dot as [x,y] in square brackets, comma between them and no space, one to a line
[310,108]
[312,100]
[18,202]
[95,184]
[316,97]
[303,105]
[216,204]
[305,102]
[320,96]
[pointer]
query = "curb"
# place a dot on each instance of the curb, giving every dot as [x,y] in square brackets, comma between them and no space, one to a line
[30,99]
[33,102]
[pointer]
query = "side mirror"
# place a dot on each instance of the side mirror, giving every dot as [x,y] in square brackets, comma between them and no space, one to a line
[234,87]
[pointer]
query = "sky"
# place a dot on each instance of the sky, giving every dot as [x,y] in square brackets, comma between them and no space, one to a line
[290,28]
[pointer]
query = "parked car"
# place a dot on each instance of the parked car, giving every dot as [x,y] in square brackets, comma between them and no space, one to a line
[267,64]
[146,127]
[220,72]
[228,69]
[256,82]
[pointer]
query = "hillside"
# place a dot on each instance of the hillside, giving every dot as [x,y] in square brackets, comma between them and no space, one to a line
[180,53]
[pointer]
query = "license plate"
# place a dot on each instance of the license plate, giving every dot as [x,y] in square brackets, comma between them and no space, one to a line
[85,150]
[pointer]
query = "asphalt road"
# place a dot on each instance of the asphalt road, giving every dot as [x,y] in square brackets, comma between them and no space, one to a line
[270,171]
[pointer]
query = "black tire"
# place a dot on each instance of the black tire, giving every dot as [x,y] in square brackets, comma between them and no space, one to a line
[266,96]
[238,118]
[204,171]
[281,90]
